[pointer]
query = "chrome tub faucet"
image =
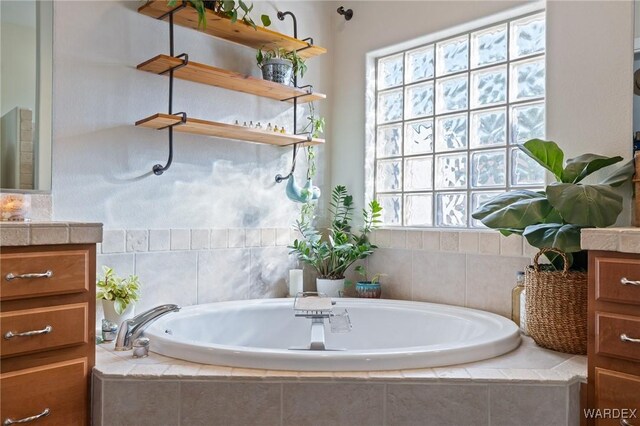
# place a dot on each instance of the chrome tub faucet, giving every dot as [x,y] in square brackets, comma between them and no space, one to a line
[132,328]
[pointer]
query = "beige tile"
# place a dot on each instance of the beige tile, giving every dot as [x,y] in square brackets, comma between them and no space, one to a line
[437,404]
[236,237]
[491,280]
[398,239]
[528,250]
[214,371]
[137,240]
[80,234]
[282,237]
[452,373]
[511,245]
[469,242]
[159,240]
[414,240]
[189,370]
[486,374]
[49,234]
[431,240]
[113,241]
[252,237]
[267,237]
[223,275]
[396,264]
[439,277]
[199,239]
[220,238]
[383,238]
[629,242]
[526,405]
[449,241]
[333,404]
[420,373]
[180,239]
[489,242]
[149,402]
[148,370]
[599,240]
[521,375]
[229,403]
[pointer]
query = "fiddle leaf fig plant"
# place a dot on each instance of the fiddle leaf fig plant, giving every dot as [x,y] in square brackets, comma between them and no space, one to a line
[554,217]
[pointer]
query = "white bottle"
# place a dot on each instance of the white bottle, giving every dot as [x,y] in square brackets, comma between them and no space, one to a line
[523,312]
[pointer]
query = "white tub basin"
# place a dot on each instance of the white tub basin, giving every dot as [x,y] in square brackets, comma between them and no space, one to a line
[386,335]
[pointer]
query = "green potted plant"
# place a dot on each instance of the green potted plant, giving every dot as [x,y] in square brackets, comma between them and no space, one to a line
[555,216]
[331,255]
[368,288]
[551,220]
[118,295]
[227,8]
[280,66]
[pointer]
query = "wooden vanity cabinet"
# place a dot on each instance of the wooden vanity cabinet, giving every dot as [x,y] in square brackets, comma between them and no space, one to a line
[47,373]
[614,338]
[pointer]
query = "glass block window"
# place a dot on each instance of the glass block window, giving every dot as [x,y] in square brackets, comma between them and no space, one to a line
[449,118]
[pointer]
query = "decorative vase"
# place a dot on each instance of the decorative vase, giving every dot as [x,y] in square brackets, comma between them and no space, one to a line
[332,288]
[278,70]
[368,290]
[110,313]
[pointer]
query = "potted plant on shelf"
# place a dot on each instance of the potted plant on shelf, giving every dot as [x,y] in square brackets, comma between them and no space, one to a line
[551,220]
[118,295]
[368,288]
[226,8]
[332,254]
[280,66]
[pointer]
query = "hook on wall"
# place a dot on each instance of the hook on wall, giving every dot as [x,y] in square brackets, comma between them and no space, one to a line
[348,13]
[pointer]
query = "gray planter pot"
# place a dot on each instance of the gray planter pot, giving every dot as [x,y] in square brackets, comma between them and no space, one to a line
[278,71]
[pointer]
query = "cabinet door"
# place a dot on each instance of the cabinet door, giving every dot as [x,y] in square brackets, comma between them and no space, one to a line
[617,391]
[56,392]
[617,280]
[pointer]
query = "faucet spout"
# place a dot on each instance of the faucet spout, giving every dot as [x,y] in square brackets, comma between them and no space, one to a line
[132,328]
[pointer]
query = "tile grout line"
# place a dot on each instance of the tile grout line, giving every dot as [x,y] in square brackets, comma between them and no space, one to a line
[281,404]
[384,404]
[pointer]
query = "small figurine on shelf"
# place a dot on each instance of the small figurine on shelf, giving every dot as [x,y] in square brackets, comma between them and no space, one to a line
[258,126]
[275,128]
[237,123]
[251,124]
[245,124]
[269,128]
[282,130]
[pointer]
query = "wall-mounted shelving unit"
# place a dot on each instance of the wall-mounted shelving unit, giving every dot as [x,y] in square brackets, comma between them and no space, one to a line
[181,67]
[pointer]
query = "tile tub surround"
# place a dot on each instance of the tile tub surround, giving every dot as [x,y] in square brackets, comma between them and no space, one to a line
[529,386]
[44,233]
[625,240]
[471,268]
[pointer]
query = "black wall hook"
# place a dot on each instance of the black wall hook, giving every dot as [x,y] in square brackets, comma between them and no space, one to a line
[348,14]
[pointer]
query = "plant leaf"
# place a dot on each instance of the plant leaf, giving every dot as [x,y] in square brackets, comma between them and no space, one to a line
[514,210]
[563,237]
[582,166]
[546,153]
[585,205]
[266,21]
[622,175]
[119,305]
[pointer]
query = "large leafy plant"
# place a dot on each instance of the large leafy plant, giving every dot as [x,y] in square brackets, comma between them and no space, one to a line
[332,256]
[554,217]
[122,291]
[229,8]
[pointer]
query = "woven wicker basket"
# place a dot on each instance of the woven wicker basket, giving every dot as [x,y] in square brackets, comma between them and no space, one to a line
[556,305]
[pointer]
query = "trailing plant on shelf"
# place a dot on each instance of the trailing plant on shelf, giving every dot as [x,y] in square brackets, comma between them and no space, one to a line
[332,254]
[280,65]
[554,217]
[121,291]
[228,8]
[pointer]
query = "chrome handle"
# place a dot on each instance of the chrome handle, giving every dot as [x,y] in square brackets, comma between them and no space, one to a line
[11,276]
[8,422]
[10,334]
[626,338]
[625,281]
[624,422]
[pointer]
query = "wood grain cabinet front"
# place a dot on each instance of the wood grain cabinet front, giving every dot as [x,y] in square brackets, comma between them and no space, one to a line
[620,392]
[54,394]
[617,280]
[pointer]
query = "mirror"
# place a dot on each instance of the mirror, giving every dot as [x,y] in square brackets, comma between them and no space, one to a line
[26,51]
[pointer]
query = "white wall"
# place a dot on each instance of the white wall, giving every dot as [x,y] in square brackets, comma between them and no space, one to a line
[102,163]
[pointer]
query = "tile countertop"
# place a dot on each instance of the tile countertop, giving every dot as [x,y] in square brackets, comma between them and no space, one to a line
[527,364]
[44,233]
[626,240]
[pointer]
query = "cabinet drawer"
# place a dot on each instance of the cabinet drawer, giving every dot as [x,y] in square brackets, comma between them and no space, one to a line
[618,336]
[618,280]
[69,273]
[60,388]
[619,391]
[51,327]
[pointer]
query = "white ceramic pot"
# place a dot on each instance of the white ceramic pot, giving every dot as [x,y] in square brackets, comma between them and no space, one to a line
[110,313]
[332,288]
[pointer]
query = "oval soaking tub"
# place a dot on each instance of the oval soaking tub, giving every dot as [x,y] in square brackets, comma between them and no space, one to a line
[386,335]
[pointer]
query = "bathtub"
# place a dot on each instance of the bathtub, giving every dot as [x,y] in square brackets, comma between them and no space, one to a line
[385,335]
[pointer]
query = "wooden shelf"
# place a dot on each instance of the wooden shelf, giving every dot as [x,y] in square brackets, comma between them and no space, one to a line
[213,76]
[223,130]
[241,33]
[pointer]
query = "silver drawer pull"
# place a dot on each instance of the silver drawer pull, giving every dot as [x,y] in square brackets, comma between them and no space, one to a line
[11,276]
[10,334]
[626,338]
[8,422]
[624,422]
[625,281]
